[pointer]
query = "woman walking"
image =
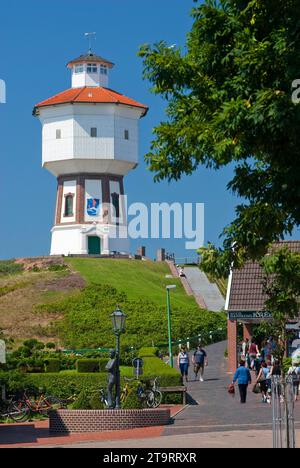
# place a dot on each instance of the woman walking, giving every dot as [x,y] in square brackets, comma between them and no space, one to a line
[243,377]
[183,362]
[262,381]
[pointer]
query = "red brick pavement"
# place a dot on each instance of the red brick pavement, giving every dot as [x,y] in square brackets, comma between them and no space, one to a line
[35,434]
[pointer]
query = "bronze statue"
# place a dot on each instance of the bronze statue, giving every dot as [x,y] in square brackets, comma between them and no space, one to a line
[111,368]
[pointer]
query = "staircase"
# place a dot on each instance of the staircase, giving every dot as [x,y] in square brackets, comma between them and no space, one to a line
[201,287]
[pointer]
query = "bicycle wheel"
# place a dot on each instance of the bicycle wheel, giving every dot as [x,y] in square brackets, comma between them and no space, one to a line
[157,399]
[51,403]
[149,399]
[18,411]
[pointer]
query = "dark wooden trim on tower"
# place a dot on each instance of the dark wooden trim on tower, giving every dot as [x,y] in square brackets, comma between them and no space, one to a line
[60,190]
[80,195]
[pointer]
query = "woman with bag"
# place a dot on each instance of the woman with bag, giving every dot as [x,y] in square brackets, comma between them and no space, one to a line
[262,381]
[243,377]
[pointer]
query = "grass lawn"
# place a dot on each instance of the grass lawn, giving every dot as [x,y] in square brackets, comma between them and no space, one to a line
[138,279]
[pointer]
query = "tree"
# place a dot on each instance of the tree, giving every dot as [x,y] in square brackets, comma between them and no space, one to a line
[282,286]
[229,101]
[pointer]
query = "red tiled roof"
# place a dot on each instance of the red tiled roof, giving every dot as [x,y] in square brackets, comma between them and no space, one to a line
[96,95]
[246,293]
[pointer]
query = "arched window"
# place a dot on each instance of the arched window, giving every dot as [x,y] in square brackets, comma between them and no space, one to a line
[69,205]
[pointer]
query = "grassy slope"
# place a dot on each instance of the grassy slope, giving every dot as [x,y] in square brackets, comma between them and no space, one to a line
[146,280]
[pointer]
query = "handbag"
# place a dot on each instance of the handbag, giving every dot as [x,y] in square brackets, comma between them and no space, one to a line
[231,389]
[256,389]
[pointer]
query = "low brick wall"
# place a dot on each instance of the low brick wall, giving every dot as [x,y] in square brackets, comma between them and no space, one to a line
[71,421]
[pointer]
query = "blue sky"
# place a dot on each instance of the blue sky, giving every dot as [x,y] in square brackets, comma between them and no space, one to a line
[37,39]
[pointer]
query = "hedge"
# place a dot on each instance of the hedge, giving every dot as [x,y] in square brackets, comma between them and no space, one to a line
[148,352]
[87,365]
[59,385]
[52,365]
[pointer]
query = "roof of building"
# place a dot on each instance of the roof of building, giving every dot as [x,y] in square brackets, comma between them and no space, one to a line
[92,95]
[90,57]
[246,292]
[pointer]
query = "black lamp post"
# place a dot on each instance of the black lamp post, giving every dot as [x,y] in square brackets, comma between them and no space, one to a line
[118,322]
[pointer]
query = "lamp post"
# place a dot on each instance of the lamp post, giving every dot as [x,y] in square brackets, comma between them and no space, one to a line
[118,322]
[168,288]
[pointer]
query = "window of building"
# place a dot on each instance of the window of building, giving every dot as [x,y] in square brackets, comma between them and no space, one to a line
[79,68]
[103,70]
[126,134]
[115,197]
[69,205]
[94,132]
[92,68]
[58,134]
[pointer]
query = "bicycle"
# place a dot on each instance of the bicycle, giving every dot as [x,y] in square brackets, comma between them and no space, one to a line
[11,409]
[150,397]
[42,405]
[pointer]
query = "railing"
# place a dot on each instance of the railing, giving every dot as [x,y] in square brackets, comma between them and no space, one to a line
[283,413]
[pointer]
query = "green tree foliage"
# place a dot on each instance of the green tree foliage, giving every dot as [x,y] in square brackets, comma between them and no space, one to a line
[282,287]
[229,102]
[86,322]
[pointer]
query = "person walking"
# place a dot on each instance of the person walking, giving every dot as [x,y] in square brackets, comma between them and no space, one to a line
[253,353]
[243,377]
[183,362]
[262,381]
[200,360]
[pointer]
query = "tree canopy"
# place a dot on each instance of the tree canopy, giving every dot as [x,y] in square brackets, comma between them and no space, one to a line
[229,101]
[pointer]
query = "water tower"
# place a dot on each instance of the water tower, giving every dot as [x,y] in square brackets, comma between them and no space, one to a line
[90,142]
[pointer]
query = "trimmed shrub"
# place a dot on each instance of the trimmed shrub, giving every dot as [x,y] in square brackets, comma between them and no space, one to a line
[148,352]
[65,385]
[52,365]
[88,365]
[83,401]
[102,364]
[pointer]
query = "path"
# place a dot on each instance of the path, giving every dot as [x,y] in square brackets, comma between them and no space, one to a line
[214,410]
[201,286]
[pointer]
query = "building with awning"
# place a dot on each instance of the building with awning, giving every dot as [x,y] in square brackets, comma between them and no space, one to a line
[245,303]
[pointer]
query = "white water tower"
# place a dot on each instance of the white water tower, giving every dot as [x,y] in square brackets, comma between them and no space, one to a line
[90,142]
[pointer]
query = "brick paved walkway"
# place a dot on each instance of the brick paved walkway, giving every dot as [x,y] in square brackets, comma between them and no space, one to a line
[214,410]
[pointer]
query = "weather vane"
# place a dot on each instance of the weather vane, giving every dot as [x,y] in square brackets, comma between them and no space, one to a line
[90,36]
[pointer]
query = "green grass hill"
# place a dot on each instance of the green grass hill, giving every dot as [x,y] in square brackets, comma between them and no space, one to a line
[69,301]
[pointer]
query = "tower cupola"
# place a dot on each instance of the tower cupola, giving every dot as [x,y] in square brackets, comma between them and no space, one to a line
[90,70]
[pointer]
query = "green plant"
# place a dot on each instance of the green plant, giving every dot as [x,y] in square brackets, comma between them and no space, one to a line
[52,365]
[88,365]
[148,352]
[58,267]
[9,267]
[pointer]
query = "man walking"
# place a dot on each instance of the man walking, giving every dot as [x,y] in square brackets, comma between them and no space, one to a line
[243,377]
[200,360]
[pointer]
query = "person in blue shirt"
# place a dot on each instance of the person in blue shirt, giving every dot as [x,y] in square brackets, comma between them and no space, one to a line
[243,377]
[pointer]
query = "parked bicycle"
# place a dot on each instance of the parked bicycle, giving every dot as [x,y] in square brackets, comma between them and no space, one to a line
[42,405]
[150,397]
[13,410]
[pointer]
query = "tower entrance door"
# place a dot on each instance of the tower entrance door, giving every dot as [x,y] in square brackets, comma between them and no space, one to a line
[94,245]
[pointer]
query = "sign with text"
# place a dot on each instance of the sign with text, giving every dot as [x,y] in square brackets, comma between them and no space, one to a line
[250,315]
[2,352]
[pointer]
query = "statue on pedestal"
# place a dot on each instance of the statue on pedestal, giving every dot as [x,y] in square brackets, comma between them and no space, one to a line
[111,368]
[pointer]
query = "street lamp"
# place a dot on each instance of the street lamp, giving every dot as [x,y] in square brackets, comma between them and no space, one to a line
[118,319]
[168,288]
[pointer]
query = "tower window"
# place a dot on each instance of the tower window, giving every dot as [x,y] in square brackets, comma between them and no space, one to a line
[69,205]
[115,197]
[58,134]
[126,134]
[94,132]
[103,70]
[79,68]
[92,68]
